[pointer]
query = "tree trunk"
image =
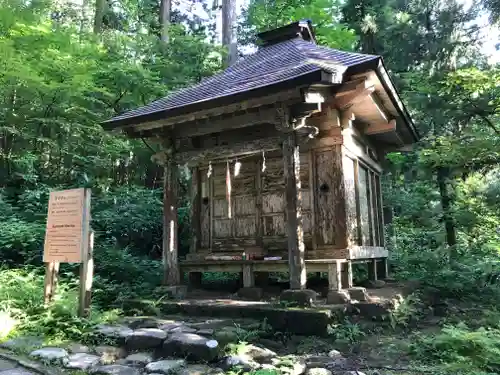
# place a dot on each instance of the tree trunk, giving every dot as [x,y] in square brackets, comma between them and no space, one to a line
[165,10]
[443,174]
[228,34]
[100,9]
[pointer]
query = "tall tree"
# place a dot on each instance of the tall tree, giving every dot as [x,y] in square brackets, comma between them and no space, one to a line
[228,30]
[165,10]
[100,10]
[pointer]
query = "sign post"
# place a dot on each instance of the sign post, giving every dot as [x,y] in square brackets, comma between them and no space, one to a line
[68,240]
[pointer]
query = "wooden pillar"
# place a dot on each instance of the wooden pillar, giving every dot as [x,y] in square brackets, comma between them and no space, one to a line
[171,273]
[383,268]
[347,279]
[334,276]
[195,210]
[349,274]
[195,279]
[373,269]
[293,212]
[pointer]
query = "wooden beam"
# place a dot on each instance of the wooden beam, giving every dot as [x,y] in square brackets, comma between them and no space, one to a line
[217,124]
[381,110]
[379,128]
[251,103]
[194,157]
[353,97]
[171,273]
[352,85]
[293,212]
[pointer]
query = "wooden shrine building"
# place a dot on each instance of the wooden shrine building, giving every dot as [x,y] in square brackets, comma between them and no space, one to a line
[285,150]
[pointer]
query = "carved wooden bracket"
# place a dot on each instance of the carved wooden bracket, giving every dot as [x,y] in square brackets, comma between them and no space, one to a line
[282,120]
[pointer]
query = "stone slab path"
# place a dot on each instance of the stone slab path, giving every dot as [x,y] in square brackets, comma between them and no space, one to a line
[12,368]
[153,346]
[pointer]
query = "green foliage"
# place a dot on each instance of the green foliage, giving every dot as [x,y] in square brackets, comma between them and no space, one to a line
[21,293]
[21,242]
[263,15]
[121,276]
[132,217]
[461,348]
[407,311]
[346,332]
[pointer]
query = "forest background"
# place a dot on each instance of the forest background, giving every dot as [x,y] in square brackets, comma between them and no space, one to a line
[66,67]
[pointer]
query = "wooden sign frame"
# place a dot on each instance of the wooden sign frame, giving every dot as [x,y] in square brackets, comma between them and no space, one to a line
[74,213]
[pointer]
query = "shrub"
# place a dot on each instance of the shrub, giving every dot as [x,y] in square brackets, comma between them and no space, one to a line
[21,242]
[460,347]
[21,293]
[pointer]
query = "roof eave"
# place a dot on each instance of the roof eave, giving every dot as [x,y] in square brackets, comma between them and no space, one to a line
[390,88]
[308,78]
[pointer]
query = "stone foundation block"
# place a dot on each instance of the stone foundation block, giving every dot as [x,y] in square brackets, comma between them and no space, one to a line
[251,293]
[305,297]
[337,297]
[358,294]
[176,292]
[370,310]
[375,284]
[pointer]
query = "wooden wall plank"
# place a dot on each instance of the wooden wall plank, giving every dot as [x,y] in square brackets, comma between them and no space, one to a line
[273,202]
[348,166]
[330,198]
[325,230]
[274,225]
[364,204]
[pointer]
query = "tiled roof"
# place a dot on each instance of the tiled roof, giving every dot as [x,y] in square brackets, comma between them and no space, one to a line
[270,65]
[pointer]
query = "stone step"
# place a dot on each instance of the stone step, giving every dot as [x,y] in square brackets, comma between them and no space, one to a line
[299,321]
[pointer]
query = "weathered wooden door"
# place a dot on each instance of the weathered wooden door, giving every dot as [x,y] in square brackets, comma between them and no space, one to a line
[237,232]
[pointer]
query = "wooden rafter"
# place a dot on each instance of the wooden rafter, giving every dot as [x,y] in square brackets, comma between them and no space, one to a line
[377,103]
[384,127]
[352,92]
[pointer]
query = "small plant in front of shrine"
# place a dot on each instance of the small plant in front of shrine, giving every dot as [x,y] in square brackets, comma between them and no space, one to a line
[406,312]
[346,332]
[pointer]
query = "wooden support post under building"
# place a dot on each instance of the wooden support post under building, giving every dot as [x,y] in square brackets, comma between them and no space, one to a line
[373,269]
[293,213]
[334,276]
[248,276]
[171,272]
[347,279]
[195,279]
[350,282]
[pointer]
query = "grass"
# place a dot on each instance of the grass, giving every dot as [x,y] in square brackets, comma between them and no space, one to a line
[22,311]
